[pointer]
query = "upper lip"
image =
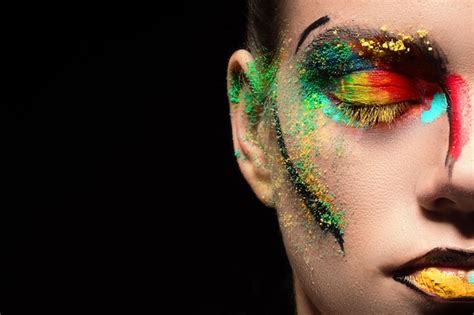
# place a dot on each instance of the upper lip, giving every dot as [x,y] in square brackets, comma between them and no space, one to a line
[439,257]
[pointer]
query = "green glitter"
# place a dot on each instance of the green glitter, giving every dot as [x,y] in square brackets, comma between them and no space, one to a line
[236,85]
[328,61]
[260,78]
[259,99]
[237,154]
[319,73]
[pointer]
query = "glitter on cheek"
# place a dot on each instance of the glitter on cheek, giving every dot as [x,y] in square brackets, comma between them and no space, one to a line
[438,107]
[460,114]
[256,91]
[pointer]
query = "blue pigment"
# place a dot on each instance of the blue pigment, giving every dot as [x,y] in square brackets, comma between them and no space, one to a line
[439,105]
[470,277]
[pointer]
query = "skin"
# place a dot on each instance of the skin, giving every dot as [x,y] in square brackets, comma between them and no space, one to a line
[399,197]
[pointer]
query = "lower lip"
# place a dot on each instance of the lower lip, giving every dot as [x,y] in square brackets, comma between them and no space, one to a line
[444,283]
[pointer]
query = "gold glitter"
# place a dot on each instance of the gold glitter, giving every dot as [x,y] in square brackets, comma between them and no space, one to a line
[422,33]
[380,48]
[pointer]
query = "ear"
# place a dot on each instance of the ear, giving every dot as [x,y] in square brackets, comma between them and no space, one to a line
[248,144]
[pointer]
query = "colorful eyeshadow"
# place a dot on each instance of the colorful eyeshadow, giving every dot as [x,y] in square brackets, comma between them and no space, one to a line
[376,87]
[459,113]
[371,81]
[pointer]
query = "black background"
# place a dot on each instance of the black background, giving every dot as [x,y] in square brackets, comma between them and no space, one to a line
[121,191]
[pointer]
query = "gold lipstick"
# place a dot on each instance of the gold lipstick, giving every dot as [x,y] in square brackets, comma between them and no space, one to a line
[443,273]
[446,283]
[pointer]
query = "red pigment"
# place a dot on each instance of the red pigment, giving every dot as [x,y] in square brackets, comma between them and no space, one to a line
[398,87]
[460,110]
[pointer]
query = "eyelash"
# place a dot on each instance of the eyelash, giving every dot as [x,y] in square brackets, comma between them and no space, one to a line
[369,116]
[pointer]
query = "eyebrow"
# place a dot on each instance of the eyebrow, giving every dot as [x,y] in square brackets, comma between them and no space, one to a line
[319,22]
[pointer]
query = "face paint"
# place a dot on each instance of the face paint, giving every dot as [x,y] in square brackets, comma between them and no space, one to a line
[322,211]
[438,107]
[460,115]
[443,283]
[355,79]
[260,97]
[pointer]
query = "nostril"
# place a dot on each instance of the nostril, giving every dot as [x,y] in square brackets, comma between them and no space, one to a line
[444,203]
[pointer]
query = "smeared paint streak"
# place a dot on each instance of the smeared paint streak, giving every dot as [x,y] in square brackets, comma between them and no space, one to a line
[460,115]
[438,107]
[321,211]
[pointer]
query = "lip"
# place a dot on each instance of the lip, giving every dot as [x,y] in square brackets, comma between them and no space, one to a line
[440,264]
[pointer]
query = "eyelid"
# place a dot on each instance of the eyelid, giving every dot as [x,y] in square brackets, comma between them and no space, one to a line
[375,87]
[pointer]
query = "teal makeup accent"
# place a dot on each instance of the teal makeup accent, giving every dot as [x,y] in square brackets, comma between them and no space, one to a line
[470,277]
[439,105]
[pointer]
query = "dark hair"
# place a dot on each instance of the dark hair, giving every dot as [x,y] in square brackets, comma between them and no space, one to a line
[264,23]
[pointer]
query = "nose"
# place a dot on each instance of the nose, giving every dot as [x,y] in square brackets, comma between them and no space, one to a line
[449,188]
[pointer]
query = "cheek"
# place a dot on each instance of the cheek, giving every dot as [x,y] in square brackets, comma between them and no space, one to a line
[372,176]
[374,171]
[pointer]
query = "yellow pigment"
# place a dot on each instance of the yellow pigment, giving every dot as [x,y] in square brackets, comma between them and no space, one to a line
[444,284]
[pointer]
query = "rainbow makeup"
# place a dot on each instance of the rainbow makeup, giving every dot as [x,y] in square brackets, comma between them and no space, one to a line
[372,79]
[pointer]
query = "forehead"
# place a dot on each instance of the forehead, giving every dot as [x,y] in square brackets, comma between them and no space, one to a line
[450,23]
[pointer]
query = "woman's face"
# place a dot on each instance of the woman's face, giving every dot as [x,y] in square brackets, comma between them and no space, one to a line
[374,114]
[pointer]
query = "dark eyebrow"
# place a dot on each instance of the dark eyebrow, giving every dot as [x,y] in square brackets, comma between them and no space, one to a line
[319,22]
